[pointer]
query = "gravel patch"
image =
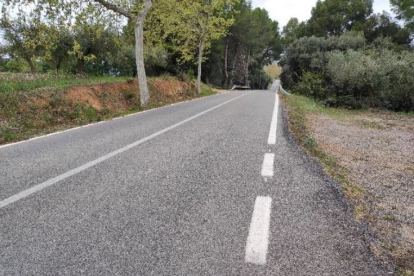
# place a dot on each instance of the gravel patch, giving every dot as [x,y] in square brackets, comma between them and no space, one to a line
[377,150]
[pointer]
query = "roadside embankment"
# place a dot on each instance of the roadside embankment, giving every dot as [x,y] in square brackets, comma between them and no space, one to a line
[370,153]
[33,106]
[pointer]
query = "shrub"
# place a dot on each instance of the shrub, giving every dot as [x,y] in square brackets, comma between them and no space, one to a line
[344,71]
[312,85]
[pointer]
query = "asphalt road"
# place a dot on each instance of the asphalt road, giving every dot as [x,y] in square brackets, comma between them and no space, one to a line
[196,188]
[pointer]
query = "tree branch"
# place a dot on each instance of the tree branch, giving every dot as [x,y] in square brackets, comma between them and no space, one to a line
[146,9]
[114,8]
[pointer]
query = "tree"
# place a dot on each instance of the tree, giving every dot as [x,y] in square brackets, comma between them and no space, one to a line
[62,44]
[383,25]
[91,43]
[136,11]
[25,39]
[193,26]
[294,30]
[334,17]
[405,11]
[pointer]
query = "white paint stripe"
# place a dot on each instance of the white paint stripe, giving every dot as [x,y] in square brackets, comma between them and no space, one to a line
[112,119]
[273,125]
[63,176]
[258,239]
[267,167]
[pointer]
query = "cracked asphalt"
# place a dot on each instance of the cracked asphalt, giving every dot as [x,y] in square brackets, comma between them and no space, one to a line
[178,204]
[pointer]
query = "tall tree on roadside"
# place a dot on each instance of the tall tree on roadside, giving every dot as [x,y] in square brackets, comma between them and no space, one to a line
[136,11]
[26,39]
[383,25]
[193,25]
[335,17]
[405,11]
[294,30]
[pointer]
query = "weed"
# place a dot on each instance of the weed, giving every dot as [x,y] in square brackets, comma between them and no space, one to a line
[309,141]
[128,95]
[91,114]
[8,136]
[390,217]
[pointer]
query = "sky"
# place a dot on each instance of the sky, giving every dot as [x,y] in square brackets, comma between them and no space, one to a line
[283,10]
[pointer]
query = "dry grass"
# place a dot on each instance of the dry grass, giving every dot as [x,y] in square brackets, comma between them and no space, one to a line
[371,154]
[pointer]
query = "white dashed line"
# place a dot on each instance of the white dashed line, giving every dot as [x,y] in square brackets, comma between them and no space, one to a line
[273,125]
[258,239]
[267,167]
[77,170]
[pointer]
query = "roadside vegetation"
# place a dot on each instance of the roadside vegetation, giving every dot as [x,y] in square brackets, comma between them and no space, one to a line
[369,153]
[350,73]
[45,105]
[68,63]
[347,56]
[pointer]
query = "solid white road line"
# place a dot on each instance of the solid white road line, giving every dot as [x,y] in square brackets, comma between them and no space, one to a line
[267,167]
[63,176]
[273,126]
[258,239]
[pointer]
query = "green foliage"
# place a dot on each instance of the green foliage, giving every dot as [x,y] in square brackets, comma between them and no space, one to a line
[312,85]
[383,25]
[252,42]
[12,85]
[335,17]
[15,65]
[332,18]
[345,71]
[294,30]
[405,11]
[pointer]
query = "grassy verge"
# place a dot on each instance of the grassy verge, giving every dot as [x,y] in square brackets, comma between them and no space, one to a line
[299,108]
[40,109]
[9,83]
[369,147]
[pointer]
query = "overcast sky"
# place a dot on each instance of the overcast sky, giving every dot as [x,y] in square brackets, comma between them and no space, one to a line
[283,10]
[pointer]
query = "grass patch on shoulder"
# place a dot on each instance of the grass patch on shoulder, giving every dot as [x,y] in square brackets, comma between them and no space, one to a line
[299,108]
[11,85]
[206,91]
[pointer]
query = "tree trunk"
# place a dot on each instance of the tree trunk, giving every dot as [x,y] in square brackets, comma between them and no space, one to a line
[226,73]
[139,53]
[32,67]
[138,19]
[234,64]
[246,70]
[200,61]
[58,66]
[81,66]
[139,58]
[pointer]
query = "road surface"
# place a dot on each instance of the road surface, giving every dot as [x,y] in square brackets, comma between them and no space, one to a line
[214,186]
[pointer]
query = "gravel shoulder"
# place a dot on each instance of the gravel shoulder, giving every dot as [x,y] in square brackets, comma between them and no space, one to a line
[370,154]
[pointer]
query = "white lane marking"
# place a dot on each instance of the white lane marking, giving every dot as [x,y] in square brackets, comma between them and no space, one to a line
[258,239]
[273,126]
[63,176]
[112,119]
[267,167]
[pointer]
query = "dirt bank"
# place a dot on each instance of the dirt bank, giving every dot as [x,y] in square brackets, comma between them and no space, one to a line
[26,114]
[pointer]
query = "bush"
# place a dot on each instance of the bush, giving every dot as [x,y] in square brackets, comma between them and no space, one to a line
[344,71]
[312,85]
[16,66]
